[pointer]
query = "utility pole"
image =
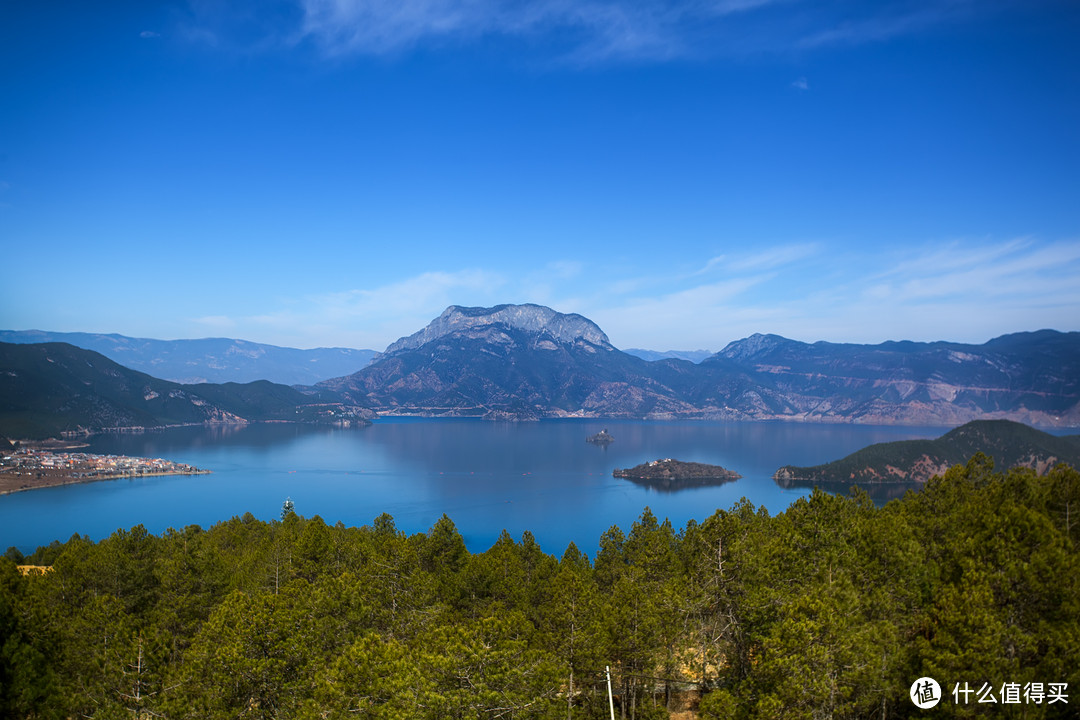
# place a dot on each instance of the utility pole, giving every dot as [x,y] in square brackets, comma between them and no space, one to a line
[611,702]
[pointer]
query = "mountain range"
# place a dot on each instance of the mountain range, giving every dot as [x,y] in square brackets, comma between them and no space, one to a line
[694,356]
[529,361]
[525,362]
[209,360]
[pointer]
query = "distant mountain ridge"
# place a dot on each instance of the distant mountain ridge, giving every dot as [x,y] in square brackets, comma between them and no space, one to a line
[51,389]
[529,361]
[1010,444]
[694,356]
[1029,377]
[213,360]
[524,362]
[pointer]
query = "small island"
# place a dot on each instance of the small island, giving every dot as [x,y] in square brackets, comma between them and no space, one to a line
[601,438]
[670,474]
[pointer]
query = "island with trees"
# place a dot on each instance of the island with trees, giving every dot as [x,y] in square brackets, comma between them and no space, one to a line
[602,438]
[671,474]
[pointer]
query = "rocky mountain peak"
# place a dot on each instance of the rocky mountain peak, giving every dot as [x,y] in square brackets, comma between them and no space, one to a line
[756,344]
[533,319]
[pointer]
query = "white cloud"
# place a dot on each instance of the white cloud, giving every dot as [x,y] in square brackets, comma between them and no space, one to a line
[572,32]
[801,84]
[541,286]
[365,318]
[961,291]
[564,269]
[217,323]
[1017,268]
[421,291]
[707,267]
[890,20]
[674,320]
[958,291]
[382,315]
[773,257]
[602,29]
[147,34]
[766,259]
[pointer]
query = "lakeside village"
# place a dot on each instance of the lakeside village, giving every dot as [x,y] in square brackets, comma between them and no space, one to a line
[26,469]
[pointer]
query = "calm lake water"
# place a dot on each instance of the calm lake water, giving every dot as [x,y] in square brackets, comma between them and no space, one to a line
[542,477]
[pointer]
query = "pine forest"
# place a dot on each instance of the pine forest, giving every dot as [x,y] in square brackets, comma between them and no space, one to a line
[830,609]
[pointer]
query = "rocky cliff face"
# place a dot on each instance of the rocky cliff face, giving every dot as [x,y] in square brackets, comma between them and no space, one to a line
[549,328]
[510,361]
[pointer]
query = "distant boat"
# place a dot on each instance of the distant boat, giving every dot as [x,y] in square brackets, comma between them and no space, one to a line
[601,438]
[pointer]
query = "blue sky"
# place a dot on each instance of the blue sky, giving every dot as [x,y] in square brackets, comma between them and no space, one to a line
[337,172]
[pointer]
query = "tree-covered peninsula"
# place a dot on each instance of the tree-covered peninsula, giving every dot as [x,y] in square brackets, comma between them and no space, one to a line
[916,461]
[830,609]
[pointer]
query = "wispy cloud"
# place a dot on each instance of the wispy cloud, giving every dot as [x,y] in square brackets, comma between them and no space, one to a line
[601,28]
[543,285]
[964,291]
[693,316]
[1014,269]
[763,259]
[149,34]
[576,32]
[565,269]
[885,21]
[369,317]
[418,292]
[773,257]
[801,84]
[215,323]
[708,266]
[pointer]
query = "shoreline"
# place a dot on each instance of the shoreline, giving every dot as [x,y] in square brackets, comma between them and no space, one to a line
[9,480]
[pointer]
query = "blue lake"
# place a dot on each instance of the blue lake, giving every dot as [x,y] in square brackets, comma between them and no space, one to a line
[541,477]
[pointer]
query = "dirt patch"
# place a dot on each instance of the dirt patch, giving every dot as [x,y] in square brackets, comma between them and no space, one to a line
[34,569]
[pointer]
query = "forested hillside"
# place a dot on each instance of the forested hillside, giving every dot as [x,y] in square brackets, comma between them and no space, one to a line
[831,609]
[1008,443]
[54,388]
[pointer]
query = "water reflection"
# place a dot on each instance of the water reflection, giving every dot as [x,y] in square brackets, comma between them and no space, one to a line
[879,493]
[254,436]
